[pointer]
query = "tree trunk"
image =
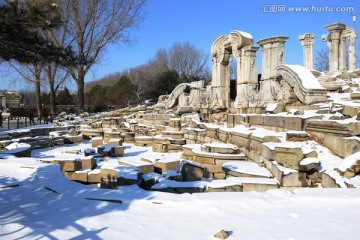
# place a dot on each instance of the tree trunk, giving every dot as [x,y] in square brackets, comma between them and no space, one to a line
[38,95]
[80,91]
[52,99]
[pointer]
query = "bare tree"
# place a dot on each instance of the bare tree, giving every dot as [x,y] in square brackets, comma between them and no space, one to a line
[32,73]
[139,77]
[187,60]
[94,24]
[160,62]
[322,60]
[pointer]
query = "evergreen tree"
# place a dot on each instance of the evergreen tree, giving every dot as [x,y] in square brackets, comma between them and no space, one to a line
[20,36]
[65,98]
[164,83]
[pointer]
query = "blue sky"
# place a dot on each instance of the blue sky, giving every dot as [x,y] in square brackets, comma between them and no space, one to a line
[201,21]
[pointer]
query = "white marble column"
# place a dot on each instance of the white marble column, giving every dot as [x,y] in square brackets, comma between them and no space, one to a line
[272,55]
[307,41]
[352,51]
[335,50]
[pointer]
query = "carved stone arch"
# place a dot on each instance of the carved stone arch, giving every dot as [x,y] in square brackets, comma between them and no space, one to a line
[221,50]
[174,95]
[304,84]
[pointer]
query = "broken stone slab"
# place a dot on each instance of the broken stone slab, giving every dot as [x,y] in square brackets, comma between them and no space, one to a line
[5,143]
[257,184]
[173,134]
[224,135]
[18,150]
[245,169]
[108,183]
[94,176]
[97,141]
[179,187]
[79,176]
[241,138]
[72,139]
[350,166]
[212,158]
[227,185]
[90,133]
[288,155]
[328,179]
[73,132]
[144,141]
[295,122]
[123,175]
[144,167]
[350,111]
[340,128]
[162,165]
[89,152]
[212,132]
[212,168]
[308,164]
[114,142]
[188,150]
[274,121]
[256,119]
[88,162]
[73,151]
[59,141]
[220,148]
[29,140]
[150,179]
[66,165]
[219,175]
[287,177]
[222,234]
[190,171]
[111,134]
[175,123]
[297,136]
[112,151]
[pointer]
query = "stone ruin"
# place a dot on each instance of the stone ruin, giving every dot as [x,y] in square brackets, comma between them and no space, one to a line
[278,132]
[281,85]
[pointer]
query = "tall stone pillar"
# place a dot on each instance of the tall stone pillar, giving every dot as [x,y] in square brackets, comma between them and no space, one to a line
[335,50]
[352,51]
[272,55]
[307,41]
[247,76]
[342,54]
[220,80]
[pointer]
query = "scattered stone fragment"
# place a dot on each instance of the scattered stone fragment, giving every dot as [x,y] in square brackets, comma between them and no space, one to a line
[190,171]
[222,234]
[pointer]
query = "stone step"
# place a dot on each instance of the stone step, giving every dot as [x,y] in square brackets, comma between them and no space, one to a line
[220,148]
[144,167]
[245,169]
[257,184]
[287,177]
[162,165]
[215,158]
[173,134]
[179,187]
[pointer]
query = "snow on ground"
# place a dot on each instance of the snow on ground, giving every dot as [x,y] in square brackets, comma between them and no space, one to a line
[32,210]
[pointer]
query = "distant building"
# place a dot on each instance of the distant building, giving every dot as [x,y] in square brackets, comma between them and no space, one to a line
[9,99]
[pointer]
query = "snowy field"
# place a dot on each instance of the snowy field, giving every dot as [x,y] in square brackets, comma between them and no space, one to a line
[42,204]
